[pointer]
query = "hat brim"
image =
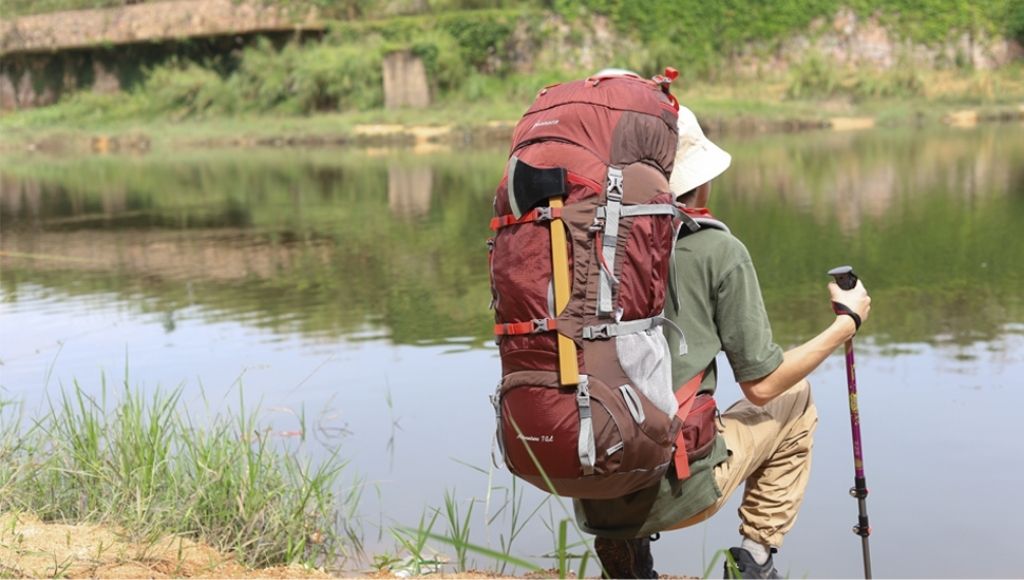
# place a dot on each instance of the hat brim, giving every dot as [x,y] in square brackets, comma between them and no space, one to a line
[698,164]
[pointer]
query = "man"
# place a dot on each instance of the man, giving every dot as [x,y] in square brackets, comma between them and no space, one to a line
[764,440]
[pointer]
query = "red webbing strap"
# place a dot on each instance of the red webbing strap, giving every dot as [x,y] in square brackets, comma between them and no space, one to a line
[528,327]
[685,397]
[548,213]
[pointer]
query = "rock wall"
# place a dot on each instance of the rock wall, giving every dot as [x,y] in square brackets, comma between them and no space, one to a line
[850,40]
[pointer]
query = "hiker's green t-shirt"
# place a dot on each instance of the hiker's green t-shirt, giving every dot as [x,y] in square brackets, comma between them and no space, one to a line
[721,309]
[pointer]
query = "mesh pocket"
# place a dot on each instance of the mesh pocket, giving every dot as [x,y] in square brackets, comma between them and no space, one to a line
[646,359]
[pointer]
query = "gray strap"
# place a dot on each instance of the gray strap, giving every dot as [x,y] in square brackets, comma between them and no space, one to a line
[689,223]
[494,291]
[498,449]
[712,223]
[673,288]
[683,347]
[633,403]
[650,209]
[599,331]
[611,238]
[586,447]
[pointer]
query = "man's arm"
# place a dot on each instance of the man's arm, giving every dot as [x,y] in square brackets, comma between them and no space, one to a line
[800,361]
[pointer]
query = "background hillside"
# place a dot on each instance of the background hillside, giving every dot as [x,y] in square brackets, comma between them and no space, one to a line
[798,60]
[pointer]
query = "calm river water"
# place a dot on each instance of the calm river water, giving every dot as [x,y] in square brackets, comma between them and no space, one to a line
[353,285]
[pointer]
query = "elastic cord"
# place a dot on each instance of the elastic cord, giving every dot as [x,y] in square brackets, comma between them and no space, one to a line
[840,308]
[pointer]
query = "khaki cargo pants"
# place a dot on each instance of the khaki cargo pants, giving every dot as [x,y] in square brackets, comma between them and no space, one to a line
[770,450]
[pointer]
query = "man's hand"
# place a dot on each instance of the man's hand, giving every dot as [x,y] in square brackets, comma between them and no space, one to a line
[856,299]
[798,362]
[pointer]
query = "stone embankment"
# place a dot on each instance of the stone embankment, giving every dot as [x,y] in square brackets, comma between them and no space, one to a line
[149,22]
[87,48]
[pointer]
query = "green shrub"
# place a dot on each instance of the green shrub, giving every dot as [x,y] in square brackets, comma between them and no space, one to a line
[903,80]
[263,79]
[1014,18]
[442,59]
[814,77]
[301,79]
[337,78]
[185,91]
[480,35]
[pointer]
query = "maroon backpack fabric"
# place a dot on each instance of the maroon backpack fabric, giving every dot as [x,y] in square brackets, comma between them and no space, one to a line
[606,147]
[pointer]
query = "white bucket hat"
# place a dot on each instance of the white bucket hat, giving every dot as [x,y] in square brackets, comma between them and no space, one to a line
[698,160]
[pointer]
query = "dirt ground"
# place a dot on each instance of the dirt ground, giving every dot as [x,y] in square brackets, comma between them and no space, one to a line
[32,549]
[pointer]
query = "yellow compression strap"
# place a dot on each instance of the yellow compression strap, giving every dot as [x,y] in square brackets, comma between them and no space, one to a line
[569,371]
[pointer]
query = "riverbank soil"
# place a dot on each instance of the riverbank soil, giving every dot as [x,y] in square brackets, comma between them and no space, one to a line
[33,549]
[30,548]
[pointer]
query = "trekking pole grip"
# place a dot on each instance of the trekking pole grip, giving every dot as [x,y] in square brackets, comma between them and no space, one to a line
[844,277]
[846,280]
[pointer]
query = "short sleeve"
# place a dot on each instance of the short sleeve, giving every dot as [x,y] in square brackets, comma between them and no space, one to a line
[743,324]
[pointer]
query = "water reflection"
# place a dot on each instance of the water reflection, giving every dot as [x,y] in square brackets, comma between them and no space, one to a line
[324,243]
[409,190]
[355,284]
[330,242]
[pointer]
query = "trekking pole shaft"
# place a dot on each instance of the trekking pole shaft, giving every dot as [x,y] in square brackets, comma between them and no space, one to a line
[846,279]
[860,489]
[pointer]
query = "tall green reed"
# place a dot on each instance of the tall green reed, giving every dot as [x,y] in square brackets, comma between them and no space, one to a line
[564,549]
[459,532]
[145,463]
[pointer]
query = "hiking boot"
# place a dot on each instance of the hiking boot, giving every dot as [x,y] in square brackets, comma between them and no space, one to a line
[748,568]
[625,558]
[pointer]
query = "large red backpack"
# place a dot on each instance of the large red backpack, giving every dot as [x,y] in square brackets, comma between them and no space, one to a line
[584,229]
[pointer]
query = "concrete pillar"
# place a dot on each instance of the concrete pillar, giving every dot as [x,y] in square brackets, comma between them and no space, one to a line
[405,81]
[8,94]
[104,81]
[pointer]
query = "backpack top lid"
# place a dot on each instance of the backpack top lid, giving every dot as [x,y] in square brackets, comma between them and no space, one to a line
[624,92]
[617,119]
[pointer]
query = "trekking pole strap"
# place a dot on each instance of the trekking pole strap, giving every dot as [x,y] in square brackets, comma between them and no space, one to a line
[839,308]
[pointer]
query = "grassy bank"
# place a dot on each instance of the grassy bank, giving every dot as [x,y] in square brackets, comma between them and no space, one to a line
[146,465]
[808,98]
[137,485]
[486,60]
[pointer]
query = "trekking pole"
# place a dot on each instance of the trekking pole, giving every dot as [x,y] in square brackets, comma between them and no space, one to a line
[846,279]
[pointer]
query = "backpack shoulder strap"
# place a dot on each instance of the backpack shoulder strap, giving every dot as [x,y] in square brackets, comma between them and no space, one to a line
[701,218]
[694,220]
